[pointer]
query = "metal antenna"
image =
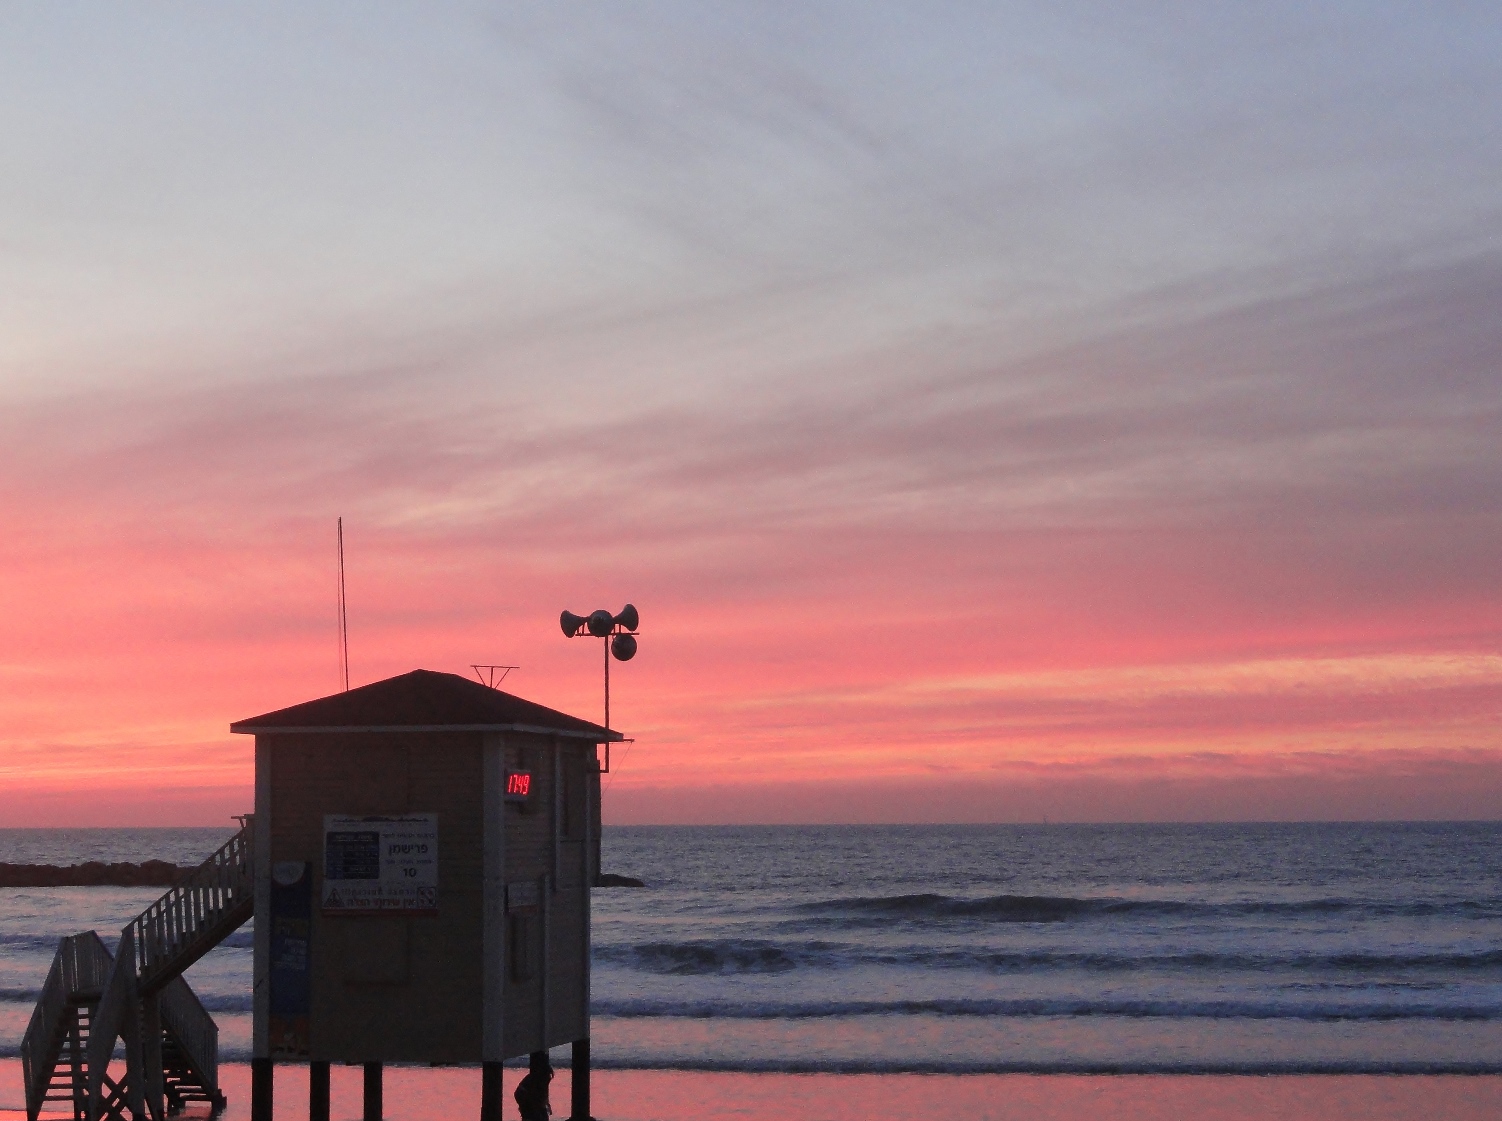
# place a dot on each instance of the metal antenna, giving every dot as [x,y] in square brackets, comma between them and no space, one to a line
[343,612]
[487,676]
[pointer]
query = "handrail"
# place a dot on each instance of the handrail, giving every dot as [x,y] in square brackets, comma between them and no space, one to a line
[194,1030]
[42,1044]
[195,915]
[155,947]
[118,1015]
[77,977]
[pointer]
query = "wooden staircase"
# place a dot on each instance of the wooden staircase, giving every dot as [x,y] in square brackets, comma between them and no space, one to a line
[91,999]
[196,915]
[54,1051]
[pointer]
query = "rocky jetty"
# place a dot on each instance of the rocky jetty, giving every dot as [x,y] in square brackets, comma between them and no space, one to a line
[610,879]
[151,873]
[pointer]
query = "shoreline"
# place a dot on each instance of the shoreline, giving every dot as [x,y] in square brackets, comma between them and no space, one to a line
[657,1095]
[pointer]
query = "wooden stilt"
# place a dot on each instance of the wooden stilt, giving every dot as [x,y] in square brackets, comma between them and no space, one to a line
[579,1082]
[492,1097]
[318,1091]
[372,1092]
[260,1090]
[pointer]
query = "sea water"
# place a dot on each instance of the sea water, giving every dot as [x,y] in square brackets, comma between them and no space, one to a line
[1084,948]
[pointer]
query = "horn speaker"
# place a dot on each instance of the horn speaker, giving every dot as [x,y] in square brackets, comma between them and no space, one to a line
[571,623]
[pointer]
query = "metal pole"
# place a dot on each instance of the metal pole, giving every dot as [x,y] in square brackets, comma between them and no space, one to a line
[260,1090]
[491,1096]
[318,1090]
[343,613]
[373,1092]
[579,1078]
[607,681]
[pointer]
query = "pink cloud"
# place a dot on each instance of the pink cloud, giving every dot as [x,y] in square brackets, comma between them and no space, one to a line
[1163,514]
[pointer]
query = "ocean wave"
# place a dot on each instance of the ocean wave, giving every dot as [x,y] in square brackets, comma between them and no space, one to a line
[214,1002]
[23,942]
[1051,1007]
[709,957]
[242,939]
[1051,908]
[726,955]
[230,1052]
[226,1002]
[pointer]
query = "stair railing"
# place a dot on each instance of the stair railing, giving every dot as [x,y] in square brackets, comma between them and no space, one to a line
[193,1029]
[195,915]
[118,1015]
[155,948]
[77,976]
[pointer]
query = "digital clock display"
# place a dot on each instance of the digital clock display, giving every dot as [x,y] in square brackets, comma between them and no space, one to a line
[518,786]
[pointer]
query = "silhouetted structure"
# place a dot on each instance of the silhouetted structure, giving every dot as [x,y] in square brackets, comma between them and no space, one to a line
[424,849]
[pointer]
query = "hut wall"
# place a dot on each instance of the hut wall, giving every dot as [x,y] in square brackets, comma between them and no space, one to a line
[411,988]
[400,988]
[547,974]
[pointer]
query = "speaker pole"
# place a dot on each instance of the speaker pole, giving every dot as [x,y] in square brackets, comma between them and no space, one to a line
[607,682]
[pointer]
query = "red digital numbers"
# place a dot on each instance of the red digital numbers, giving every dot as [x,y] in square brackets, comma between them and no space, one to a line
[518,784]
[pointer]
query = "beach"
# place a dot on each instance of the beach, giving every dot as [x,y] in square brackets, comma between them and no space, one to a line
[423,1094]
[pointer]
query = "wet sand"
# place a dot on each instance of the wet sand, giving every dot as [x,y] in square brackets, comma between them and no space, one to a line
[414,1093]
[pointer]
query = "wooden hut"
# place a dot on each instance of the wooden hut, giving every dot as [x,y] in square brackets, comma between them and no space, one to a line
[424,850]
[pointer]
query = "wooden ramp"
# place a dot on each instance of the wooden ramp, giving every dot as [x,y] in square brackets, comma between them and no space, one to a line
[92,999]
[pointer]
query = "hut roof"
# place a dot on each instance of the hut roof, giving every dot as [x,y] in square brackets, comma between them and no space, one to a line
[424,701]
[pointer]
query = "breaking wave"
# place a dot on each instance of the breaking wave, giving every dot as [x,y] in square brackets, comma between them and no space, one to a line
[709,957]
[1050,908]
[1070,1007]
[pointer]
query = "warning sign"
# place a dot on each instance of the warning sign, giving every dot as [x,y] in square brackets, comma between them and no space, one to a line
[381,865]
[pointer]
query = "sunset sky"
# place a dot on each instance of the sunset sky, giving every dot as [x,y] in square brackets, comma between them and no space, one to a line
[994,410]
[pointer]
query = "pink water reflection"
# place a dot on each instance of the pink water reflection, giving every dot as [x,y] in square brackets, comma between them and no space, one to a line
[427,1094]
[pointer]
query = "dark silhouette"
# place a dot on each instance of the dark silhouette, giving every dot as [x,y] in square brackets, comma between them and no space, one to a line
[152,873]
[532,1091]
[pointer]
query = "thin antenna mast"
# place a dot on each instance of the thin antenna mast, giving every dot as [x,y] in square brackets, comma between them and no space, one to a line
[343,612]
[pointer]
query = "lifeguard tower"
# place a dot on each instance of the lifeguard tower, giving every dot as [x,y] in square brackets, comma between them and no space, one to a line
[423,850]
[418,865]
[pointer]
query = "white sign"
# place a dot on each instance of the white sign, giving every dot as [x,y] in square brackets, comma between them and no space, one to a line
[381,865]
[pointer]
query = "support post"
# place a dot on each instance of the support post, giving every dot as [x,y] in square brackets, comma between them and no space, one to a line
[492,1096]
[579,1082]
[318,1091]
[260,1090]
[372,1092]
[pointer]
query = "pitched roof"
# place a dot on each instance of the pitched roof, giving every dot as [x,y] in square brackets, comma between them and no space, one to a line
[424,700]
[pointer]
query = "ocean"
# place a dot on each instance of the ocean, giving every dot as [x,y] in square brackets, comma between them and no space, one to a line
[1087,949]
